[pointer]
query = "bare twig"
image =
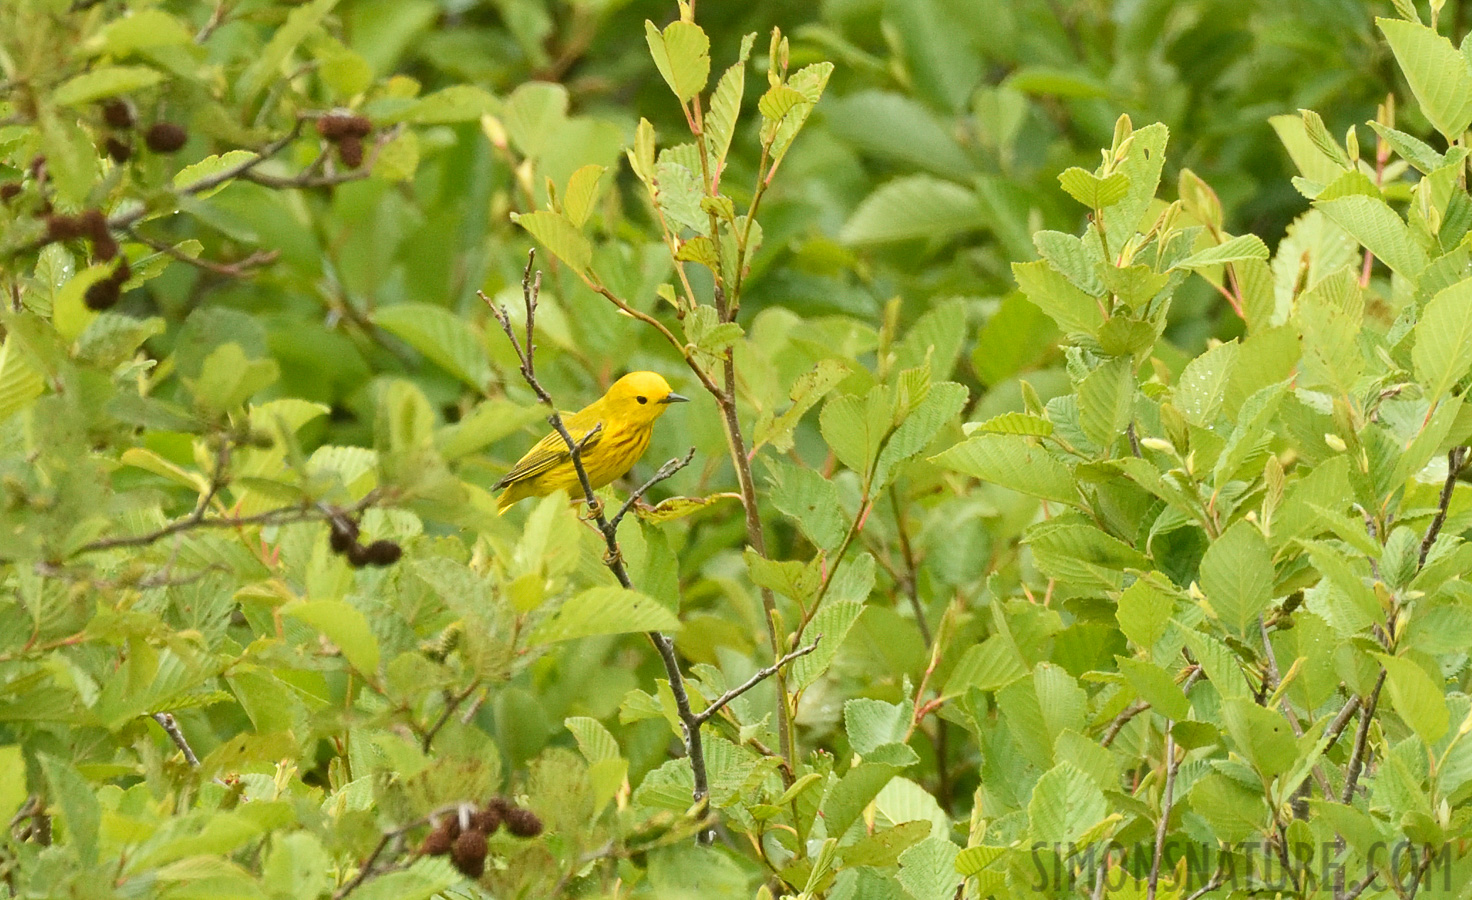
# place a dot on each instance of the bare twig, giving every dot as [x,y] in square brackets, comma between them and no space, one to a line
[756,679]
[302,512]
[367,870]
[1167,800]
[1361,738]
[452,703]
[664,472]
[1215,882]
[170,726]
[239,269]
[1120,721]
[1454,459]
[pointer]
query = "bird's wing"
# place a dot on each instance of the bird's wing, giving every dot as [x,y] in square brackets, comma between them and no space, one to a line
[550,451]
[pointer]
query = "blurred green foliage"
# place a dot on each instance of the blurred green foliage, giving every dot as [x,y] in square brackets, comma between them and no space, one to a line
[1113,494]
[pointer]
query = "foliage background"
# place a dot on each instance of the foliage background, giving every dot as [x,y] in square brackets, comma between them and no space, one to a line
[311,691]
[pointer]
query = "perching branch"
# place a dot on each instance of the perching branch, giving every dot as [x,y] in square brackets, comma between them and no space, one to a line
[170,726]
[690,723]
[367,870]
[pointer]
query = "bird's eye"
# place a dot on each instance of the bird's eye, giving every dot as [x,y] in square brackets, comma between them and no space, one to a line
[642,399]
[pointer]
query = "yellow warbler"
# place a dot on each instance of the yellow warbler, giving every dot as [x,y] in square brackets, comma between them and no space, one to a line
[627,413]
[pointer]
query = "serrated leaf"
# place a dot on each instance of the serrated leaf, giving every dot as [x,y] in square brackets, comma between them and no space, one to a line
[1436,71]
[911,207]
[1443,351]
[1050,291]
[443,337]
[284,40]
[559,235]
[1374,224]
[1156,687]
[1238,249]
[1092,191]
[833,622]
[344,625]
[1065,803]
[672,508]
[682,55]
[778,101]
[943,402]
[1417,699]
[1237,575]
[1014,463]
[189,176]
[725,105]
[928,870]
[1018,423]
[604,610]
[582,190]
[1106,401]
[809,388]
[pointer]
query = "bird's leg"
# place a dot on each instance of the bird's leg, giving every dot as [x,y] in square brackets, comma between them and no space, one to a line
[595,509]
[613,558]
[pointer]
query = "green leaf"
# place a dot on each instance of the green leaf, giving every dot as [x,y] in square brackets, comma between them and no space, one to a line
[1202,386]
[80,809]
[1018,423]
[811,500]
[456,103]
[605,610]
[911,207]
[559,235]
[20,383]
[990,665]
[189,176]
[1436,71]
[928,870]
[1142,166]
[1238,249]
[1373,223]
[725,105]
[1050,291]
[856,427]
[344,625]
[897,127]
[105,81]
[12,779]
[1012,462]
[1106,401]
[942,403]
[1143,612]
[809,388]
[442,336]
[1156,687]
[582,190]
[1418,700]
[872,723]
[1262,735]
[1092,191]
[1065,803]
[1237,575]
[833,622]
[1411,149]
[141,29]
[682,55]
[267,66]
[1443,351]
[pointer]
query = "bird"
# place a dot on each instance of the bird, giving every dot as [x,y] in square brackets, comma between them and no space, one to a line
[626,413]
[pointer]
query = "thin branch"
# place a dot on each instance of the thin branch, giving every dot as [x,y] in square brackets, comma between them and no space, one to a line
[664,472]
[366,870]
[761,675]
[239,269]
[170,726]
[1361,738]
[302,512]
[1120,721]
[1167,800]
[452,703]
[1454,459]
[1216,881]
[531,285]
[907,552]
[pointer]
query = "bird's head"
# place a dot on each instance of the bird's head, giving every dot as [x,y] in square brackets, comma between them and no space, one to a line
[641,396]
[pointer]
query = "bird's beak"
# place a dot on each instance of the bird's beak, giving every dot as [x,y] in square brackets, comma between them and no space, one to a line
[674,398]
